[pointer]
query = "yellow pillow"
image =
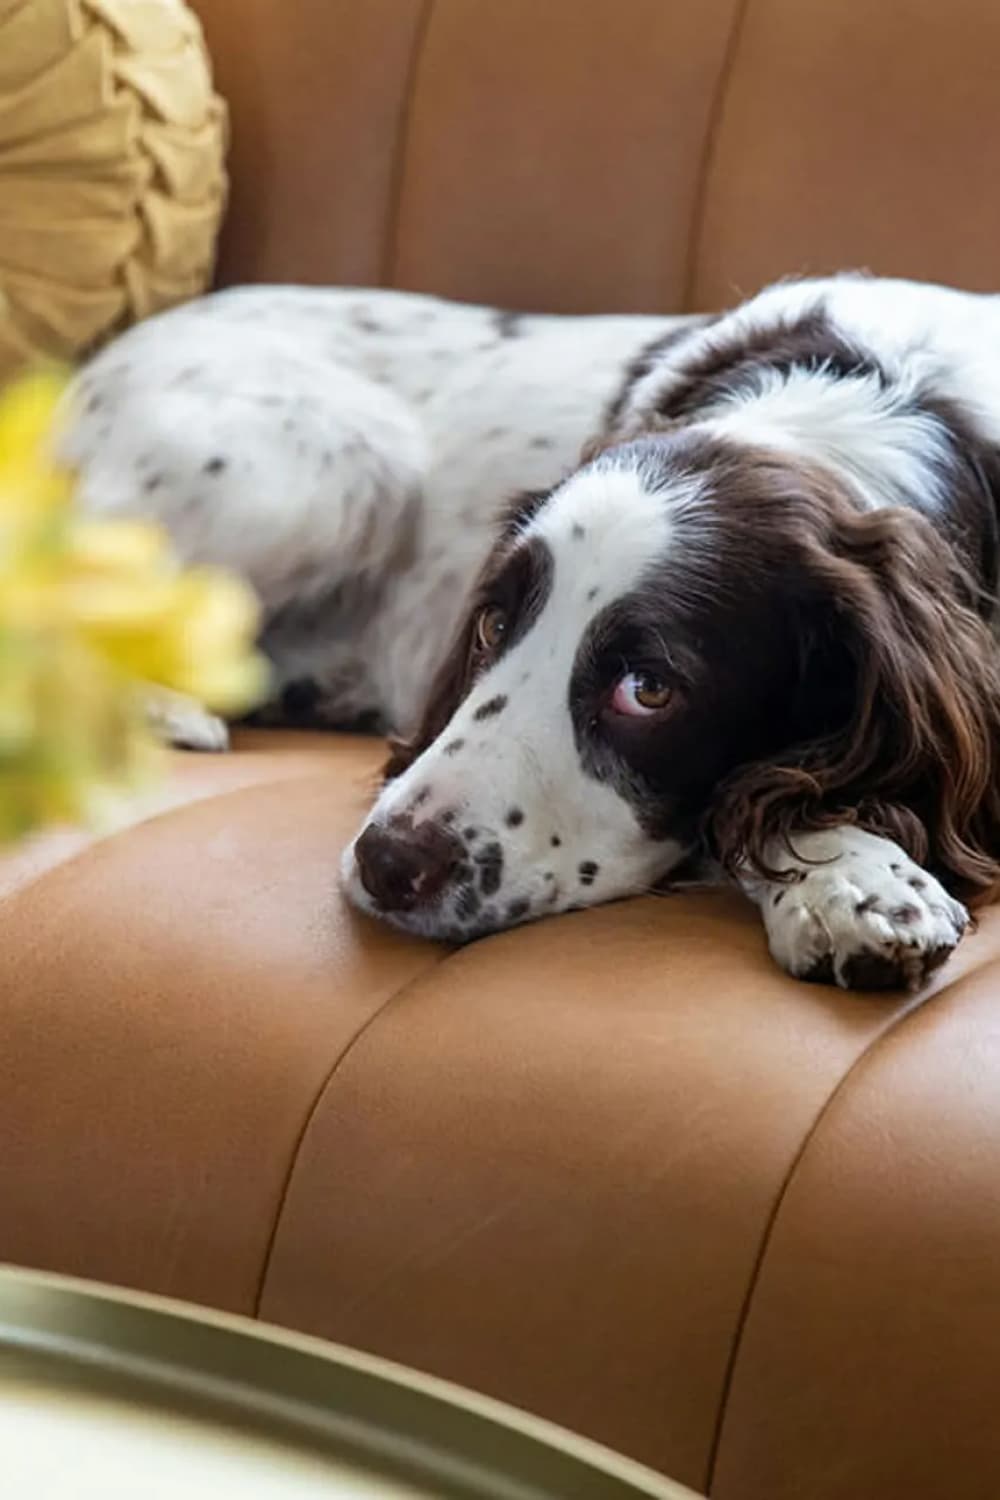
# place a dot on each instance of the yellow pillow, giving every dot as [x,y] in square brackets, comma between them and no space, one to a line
[112,175]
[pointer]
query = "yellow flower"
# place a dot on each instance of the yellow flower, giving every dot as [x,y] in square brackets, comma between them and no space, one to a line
[91,613]
[31,487]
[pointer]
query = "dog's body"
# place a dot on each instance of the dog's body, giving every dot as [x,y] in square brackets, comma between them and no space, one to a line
[350,453]
[754,621]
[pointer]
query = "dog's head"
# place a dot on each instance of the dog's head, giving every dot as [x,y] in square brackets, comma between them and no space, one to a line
[688,645]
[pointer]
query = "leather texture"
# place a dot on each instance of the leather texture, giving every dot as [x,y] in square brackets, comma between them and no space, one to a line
[605,155]
[613,1168]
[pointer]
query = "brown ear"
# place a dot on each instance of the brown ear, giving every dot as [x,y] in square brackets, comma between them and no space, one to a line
[618,436]
[901,706]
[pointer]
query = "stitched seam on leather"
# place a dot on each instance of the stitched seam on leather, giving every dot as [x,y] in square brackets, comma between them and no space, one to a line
[695,233]
[328,1079]
[746,1307]
[406,108]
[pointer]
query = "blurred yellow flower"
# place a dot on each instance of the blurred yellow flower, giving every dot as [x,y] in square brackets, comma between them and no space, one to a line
[92,612]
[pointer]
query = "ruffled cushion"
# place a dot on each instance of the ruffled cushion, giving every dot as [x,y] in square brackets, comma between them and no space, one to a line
[112,175]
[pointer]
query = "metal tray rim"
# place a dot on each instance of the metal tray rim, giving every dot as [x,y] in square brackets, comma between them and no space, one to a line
[348,1403]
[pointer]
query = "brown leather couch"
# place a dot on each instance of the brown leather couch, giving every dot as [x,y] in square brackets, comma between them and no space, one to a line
[614,1167]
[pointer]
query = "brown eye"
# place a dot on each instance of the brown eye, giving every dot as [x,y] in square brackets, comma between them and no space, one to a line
[639,693]
[491,628]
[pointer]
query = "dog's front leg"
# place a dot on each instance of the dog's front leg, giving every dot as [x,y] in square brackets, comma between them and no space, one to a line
[855,910]
[184,722]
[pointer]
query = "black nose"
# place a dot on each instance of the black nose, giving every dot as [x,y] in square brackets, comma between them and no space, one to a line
[406,866]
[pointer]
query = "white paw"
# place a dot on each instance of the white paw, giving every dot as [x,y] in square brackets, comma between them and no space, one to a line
[869,920]
[182,722]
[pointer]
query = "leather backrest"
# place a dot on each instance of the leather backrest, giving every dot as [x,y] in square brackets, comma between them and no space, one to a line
[582,155]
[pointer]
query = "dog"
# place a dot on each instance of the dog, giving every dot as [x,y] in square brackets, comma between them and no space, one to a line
[629,592]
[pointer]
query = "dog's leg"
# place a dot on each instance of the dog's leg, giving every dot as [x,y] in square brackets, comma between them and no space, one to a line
[856,911]
[257,452]
[184,722]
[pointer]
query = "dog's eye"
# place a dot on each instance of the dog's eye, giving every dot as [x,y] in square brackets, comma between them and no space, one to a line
[640,694]
[491,627]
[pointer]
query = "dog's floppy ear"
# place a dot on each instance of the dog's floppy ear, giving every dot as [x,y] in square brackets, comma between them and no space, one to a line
[899,720]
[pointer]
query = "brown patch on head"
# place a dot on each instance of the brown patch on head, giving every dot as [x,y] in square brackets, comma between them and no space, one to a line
[728,362]
[648,357]
[451,683]
[519,511]
[516,578]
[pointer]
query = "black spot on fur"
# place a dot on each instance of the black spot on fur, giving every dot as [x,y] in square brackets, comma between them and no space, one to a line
[422,796]
[592,595]
[94,404]
[366,323]
[152,483]
[490,708]
[578,532]
[541,443]
[866,905]
[453,747]
[515,817]
[468,902]
[518,909]
[490,863]
[448,816]
[555,841]
[495,432]
[215,465]
[918,884]
[587,870]
[470,834]
[779,898]
[507,325]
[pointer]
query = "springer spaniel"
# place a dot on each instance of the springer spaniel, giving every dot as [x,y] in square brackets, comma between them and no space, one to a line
[751,623]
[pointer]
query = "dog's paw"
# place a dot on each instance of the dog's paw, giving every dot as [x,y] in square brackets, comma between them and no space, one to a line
[184,723]
[869,920]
